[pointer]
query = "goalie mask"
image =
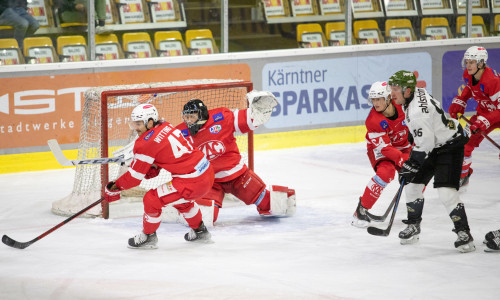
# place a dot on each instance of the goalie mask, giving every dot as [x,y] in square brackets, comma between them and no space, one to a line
[144,113]
[194,115]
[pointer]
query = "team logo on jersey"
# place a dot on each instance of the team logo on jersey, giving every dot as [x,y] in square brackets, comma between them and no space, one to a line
[185,132]
[384,124]
[215,129]
[481,86]
[212,149]
[149,135]
[218,117]
[404,123]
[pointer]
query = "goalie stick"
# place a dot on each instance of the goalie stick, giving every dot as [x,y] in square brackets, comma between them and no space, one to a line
[20,245]
[121,155]
[385,232]
[482,133]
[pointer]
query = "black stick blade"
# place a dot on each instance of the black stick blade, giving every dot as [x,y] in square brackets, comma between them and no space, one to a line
[14,244]
[378,231]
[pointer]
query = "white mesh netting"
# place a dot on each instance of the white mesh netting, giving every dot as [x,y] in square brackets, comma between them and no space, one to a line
[88,178]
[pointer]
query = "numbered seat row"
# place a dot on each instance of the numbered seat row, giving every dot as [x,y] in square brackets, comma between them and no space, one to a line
[396,30]
[134,45]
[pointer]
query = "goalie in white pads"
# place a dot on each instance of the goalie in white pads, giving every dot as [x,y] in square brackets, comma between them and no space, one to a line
[437,152]
[158,146]
[212,131]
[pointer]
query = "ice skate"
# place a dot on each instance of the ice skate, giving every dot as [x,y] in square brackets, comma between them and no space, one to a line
[199,234]
[493,245]
[360,219]
[143,241]
[411,234]
[464,242]
[491,235]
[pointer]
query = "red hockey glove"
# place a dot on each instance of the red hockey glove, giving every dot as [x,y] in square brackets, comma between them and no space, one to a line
[481,124]
[152,172]
[457,107]
[111,195]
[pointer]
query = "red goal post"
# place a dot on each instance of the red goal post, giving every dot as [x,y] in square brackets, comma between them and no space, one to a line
[112,105]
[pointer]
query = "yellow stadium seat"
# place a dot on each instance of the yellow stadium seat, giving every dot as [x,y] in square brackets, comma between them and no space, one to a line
[169,43]
[6,27]
[10,54]
[200,41]
[310,36]
[164,10]
[367,32]
[71,48]
[496,24]
[399,30]
[435,29]
[39,50]
[132,11]
[138,45]
[41,10]
[335,33]
[478,26]
[107,47]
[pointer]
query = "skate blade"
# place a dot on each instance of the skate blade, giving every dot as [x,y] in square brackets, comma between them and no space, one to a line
[149,247]
[467,248]
[410,241]
[489,250]
[359,223]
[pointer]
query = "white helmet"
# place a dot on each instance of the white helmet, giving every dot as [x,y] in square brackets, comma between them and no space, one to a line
[475,53]
[144,112]
[379,89]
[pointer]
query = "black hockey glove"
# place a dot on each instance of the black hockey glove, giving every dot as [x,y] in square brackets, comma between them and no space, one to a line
[408,171]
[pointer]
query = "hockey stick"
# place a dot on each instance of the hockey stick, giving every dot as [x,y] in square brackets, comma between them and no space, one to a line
[19,245]
[385,232]
[61,159]
[382,218]
[482,133]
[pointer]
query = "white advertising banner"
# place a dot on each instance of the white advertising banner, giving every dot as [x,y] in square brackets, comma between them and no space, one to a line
[334,90]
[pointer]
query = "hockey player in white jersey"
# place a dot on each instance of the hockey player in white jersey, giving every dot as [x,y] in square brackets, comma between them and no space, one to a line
[437,152]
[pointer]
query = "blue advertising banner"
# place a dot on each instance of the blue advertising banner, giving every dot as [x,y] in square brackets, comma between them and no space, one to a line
[330,91]
[453,82]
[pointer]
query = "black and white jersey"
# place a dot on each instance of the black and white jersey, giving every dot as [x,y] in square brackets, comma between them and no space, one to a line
[428,124]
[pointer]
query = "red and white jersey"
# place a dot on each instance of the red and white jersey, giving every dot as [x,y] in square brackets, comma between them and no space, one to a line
[164,146]
[386,138]
[486,92]
[216,140]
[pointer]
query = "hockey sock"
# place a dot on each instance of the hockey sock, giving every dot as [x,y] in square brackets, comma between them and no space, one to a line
[414,210]
[151,222]
[191,214]
[372,191]
[466,167]
[459,218]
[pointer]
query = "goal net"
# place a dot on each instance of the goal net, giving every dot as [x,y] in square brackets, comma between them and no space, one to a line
[104,129]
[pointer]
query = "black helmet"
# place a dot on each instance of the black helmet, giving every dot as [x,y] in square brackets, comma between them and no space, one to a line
[195,106]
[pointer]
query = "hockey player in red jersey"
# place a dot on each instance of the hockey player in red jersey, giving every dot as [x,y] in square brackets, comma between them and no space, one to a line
[483,84]
[387,145]
[161,146]
[212,131]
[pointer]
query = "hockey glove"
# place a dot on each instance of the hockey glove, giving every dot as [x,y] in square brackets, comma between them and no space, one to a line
[152,172]
[408,172]
[111,195]
[457,107]
[261,104]
[481,124]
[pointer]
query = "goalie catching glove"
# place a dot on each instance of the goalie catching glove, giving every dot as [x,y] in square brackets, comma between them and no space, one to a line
[261,104]
[111,194]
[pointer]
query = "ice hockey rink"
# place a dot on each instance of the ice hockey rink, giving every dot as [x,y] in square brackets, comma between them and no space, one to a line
[315,254]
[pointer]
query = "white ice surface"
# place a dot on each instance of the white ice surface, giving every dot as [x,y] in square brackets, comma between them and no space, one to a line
[315,254]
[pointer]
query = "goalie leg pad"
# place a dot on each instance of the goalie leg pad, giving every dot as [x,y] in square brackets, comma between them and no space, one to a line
[279,201]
